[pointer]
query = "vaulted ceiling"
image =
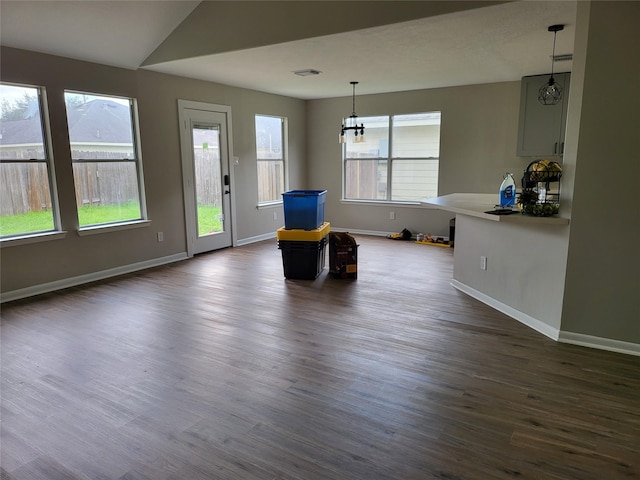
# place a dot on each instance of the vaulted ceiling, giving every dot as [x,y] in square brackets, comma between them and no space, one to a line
[385,45]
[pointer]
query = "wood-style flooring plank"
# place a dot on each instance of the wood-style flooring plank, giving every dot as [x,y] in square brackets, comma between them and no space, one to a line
[218,367]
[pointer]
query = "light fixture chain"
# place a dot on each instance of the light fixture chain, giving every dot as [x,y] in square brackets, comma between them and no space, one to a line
[553,56]
[551,92]
[354,99]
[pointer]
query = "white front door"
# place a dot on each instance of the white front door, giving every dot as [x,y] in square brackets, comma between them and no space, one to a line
[205,140]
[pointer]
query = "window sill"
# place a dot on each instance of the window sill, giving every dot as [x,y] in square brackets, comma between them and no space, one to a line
[35,238]
[113,227]
[380,203]
[262,206]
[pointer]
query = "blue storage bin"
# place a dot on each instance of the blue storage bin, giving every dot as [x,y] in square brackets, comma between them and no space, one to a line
[303,209]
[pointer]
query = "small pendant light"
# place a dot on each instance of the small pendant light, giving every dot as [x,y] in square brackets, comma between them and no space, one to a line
[551,92]
[352,123]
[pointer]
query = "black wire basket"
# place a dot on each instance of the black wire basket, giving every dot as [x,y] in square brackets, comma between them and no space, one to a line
[537,180]
[541,171]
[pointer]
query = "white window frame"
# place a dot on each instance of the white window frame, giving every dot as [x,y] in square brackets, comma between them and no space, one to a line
[389,159]
[137,161]
[285,164]
[56,232]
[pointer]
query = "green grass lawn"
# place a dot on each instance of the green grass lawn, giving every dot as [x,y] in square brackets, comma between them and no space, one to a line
[26,223]
[208,221]
[88,215]
[96,214]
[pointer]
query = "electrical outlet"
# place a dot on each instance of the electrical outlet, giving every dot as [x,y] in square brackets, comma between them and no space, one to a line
[160,237]
[275,215]
[483,263]
[392,215]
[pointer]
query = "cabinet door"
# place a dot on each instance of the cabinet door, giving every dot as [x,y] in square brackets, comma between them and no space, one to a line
[541,127]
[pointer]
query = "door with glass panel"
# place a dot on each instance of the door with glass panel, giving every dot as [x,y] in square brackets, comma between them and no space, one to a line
[204,135]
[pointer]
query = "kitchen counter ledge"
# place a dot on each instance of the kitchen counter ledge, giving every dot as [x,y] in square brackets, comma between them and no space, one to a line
[476,204]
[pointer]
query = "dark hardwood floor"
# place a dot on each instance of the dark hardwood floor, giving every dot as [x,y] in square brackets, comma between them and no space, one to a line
[219,368]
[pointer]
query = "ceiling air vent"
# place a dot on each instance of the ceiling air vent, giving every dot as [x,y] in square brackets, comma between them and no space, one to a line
[563,58]
[308,72]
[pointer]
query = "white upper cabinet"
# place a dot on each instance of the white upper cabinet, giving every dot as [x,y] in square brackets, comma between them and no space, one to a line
[541,128]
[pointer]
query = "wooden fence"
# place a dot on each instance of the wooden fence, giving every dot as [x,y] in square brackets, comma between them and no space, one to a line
[24,187]
[208,180]
[270,181]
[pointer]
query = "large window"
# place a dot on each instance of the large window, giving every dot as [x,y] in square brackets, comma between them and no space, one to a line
[398,161]
[271,154]
[107,168]
[27,186]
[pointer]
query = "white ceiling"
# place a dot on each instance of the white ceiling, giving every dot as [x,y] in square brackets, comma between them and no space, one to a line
[491,44]
[118,33]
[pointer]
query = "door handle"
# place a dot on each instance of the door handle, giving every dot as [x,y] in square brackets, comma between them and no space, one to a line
[226,180]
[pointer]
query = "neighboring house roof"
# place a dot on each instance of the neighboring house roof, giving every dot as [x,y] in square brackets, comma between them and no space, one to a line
[97,121]
[18,132]
[94,122]
[100,121]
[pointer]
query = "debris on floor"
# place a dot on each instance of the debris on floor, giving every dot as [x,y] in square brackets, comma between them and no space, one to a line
[405,234]
[429,239]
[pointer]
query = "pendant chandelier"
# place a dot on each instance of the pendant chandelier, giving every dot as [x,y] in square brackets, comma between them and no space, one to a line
[352,123]
[551,92]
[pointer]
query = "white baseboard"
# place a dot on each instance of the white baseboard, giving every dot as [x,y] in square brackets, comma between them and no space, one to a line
[553,333]
[360,232]
[600,343]
[528,320]
[112,272]
[272,235]
[583,340]
[89,277]
[257,238]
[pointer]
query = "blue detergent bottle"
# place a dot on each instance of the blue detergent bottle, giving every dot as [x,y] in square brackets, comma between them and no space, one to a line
[508,192]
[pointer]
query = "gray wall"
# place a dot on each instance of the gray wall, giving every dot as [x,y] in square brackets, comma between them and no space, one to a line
[479,129]
[525,272]
[26,266]
[478,146]
[602,289]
